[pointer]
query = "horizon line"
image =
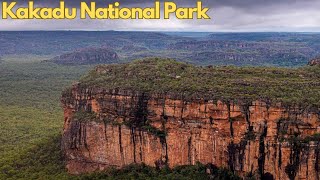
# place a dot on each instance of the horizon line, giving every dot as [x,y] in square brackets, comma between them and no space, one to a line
[174,31]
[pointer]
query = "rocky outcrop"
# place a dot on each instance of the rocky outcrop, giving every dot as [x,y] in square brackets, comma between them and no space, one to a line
[87,56]
[314,62]
[125,127]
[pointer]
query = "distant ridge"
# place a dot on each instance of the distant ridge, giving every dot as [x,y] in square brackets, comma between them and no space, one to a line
[87,56]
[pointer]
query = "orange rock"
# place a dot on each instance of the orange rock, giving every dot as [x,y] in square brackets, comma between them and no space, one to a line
[244,138]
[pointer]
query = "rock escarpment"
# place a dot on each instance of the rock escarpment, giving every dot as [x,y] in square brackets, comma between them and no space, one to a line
[314,62]
[117,127]
[87,56]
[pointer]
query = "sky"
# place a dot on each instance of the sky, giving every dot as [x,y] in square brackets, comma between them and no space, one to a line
[226,16]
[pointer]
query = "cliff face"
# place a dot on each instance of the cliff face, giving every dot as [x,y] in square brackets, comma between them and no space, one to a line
[166,129]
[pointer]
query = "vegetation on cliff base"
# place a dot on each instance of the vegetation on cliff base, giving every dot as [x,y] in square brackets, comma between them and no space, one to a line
[143,172]
[289,86]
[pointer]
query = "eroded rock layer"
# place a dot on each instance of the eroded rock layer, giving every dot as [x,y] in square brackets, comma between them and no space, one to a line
[164,129]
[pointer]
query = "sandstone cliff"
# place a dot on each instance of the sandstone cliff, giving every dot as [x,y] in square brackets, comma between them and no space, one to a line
[115,127]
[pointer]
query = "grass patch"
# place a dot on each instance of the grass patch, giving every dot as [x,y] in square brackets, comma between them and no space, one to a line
[154,131]
[83,116]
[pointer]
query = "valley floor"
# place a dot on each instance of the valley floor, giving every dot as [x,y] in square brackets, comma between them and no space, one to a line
[31,117]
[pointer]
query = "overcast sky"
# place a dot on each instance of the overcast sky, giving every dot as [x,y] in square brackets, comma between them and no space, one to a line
[227,15]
